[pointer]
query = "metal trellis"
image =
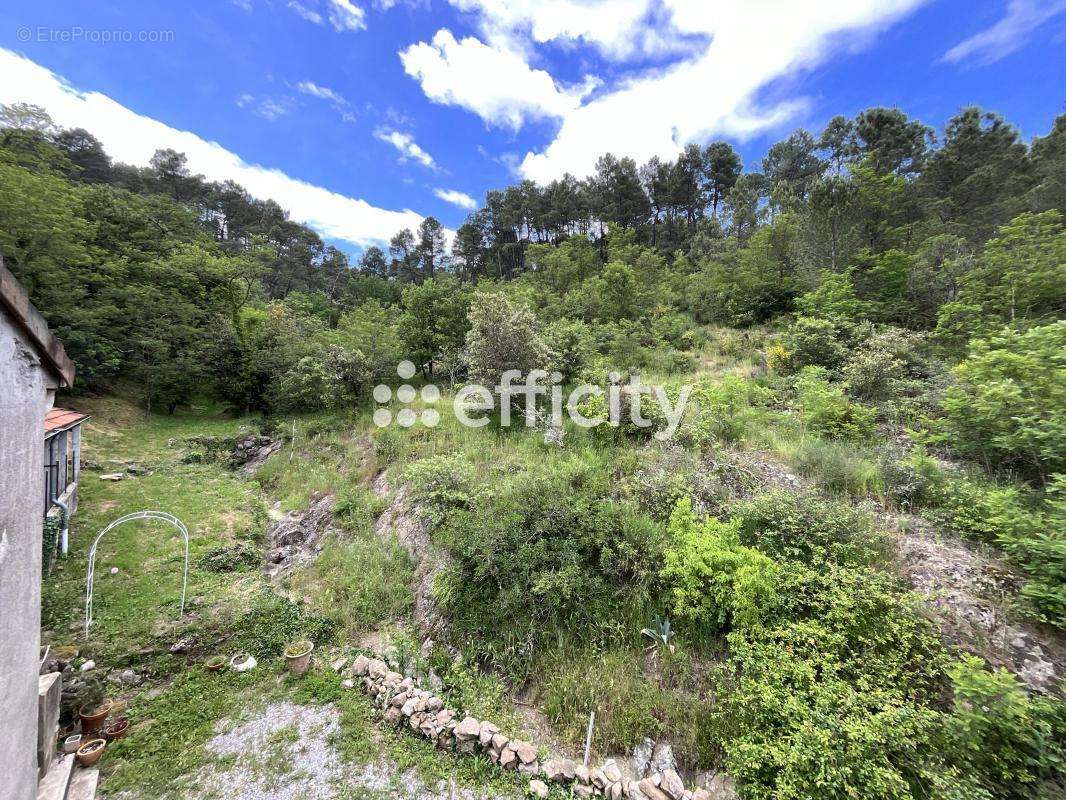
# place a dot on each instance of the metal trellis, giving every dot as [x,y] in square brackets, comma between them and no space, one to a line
[91,572]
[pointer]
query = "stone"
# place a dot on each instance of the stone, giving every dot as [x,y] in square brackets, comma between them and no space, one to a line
[393,715]
[377,669]
[672,784]
[651,791]
[83,785]
[582,775]
[560,770]
[611,771]
[526,752]
[721,787]
[582,790]
[538,788]
[662,758]
[88,665]
[488,730]
[498,742]
[361,666]
[508,758]
[338,665]
[468,730]
[348,683]
[642,757]
[615,791]
[112,476]
[702,794]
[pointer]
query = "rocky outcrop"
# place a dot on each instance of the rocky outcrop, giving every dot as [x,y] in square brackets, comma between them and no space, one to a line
[405,703]
[297,538]
[250,452]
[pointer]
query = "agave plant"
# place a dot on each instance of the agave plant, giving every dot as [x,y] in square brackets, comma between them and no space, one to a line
[660,634]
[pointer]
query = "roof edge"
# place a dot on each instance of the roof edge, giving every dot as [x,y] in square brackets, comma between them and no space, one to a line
[15,300]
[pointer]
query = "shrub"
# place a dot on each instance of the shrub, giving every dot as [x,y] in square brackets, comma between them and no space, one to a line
[811,341]
[275,621]
[1006,407]
[824,408]
[810,530]
[550,554]
[233,558]
[726,411]
[503,336]
[1011,740]
[442,484]
[715,581]
[839,467]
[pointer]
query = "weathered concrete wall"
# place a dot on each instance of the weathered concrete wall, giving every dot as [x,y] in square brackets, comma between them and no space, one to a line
[26,394]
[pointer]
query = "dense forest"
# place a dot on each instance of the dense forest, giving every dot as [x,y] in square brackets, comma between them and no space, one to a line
[880,308]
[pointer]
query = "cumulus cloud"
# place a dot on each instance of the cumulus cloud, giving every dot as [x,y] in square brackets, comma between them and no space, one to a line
[1008,35]
[619,29]
[132,138]
[493,81]
[456,198]
[716,92]
[407,146]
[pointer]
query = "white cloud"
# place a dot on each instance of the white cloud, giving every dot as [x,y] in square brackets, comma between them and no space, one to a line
[267,107]
[1010,33]
[132,138]
[492,81]
[321,92]
[306,13]
[749,45]
[618,28]
[456,198]
[406,144]
[346,16]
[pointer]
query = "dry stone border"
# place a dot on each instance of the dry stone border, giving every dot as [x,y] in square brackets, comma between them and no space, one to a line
[424,713]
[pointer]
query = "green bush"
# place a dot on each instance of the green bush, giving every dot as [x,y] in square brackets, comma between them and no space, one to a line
[811,341]
[442,484]
[1006,408]
[824,408]
[275,621]
[804,528]
[715,582]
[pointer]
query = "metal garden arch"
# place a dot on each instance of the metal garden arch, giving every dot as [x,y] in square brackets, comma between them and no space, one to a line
[90,573]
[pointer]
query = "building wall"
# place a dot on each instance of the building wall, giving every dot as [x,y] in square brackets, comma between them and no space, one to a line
[26,394]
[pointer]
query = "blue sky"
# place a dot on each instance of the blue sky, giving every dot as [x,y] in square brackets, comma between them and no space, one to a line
[361,116]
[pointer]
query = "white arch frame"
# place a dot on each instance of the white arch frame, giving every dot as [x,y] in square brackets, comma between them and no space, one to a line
[91,572]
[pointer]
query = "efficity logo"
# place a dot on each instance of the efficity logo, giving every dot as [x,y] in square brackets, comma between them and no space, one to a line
[587,405]
[406,394]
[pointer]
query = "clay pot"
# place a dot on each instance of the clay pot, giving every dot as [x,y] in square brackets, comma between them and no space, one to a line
[298,657]
[215,663]
[71,743]
[92,718]
[117,729]
[91,752]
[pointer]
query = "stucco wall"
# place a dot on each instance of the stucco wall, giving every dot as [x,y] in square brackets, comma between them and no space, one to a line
[26,394]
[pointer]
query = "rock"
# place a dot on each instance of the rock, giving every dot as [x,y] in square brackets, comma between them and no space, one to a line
[338,665]
[348,683]
[672,784]
[508,758]
[488,730]
[615,791]
[538,788]
[560,770]
[581,790]
[720,787]
[130,678]
[360,667]
[662,759]
[582,775]
[526,752]
[468,730]
[651,791]
[112,476]
[113,571]
[611,771]
[642,757]
[88,665]
[701,794]
[183,645]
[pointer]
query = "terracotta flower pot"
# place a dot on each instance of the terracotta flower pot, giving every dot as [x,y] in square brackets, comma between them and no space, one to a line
[298,657]
[117,729]
[215,663]
[91,752]
[92,718]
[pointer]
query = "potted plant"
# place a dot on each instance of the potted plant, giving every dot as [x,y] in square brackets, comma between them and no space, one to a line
[90,752]
[71,743]
[215,663]
[242,662]
[117,729]
[298,656]
[92,717]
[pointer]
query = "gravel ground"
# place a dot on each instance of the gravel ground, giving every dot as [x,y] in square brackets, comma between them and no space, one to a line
[284,752]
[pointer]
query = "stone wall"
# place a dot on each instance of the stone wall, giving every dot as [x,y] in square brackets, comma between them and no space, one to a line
[405,703]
